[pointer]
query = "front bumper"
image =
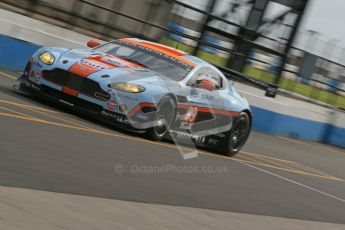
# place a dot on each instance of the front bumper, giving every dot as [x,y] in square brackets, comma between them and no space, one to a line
[77,104]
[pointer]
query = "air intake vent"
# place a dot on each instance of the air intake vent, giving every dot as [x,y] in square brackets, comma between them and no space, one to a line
[82,85]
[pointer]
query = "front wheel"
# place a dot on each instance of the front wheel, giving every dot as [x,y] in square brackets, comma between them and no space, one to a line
[237,136]
[166,112]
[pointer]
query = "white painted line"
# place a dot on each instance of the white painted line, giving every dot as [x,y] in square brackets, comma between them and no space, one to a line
[296,183]
[7,75]
[262,97]
[43,32]
[313,144]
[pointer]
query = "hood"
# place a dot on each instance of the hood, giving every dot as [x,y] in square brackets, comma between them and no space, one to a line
[107,68]
[86,62]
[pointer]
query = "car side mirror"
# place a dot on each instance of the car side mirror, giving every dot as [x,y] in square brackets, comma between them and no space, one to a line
[93,43]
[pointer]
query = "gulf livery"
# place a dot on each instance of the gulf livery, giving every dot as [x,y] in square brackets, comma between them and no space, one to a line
[143,86]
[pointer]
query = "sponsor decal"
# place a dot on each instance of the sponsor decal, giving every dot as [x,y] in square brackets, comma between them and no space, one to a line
[194,93]
[126,97]
[159,52]
[187,136]
[121,96]
[92,64]
[204,96]
[115,61]
[116,117]
[213,141]
[66,102]
[112,105]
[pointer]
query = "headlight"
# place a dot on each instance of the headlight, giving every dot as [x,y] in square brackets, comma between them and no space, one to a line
[46,58]
[127,87]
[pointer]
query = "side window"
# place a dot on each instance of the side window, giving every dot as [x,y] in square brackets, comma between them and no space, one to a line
[215,76]
[206,74]
[193,80]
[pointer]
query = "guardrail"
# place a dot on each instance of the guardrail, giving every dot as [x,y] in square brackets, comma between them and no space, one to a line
[73,18]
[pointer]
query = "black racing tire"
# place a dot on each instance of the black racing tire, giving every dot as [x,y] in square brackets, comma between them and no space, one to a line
[237,136]
[166,110]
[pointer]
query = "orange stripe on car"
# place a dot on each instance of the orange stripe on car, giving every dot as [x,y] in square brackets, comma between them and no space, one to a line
[91,65]
[170,52]
[209,110]
[184,106]
[82,70]
[141,105]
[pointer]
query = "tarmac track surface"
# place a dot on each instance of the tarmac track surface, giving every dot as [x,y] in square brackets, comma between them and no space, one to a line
[45,147]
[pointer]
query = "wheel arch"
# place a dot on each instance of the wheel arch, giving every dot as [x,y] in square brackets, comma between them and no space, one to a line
[173,96]
[249,113]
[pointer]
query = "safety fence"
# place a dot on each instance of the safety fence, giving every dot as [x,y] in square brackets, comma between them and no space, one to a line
[161,22]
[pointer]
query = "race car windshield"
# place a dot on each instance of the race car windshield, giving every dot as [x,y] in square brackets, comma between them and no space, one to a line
[150,59]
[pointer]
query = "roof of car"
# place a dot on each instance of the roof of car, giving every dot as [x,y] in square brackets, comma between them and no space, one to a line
[166,50]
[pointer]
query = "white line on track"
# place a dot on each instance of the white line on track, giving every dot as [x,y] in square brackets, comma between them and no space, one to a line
[312,144]
[41,31]
[296,183]
[7,75]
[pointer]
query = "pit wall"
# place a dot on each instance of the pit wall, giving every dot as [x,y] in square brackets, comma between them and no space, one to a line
[280,116]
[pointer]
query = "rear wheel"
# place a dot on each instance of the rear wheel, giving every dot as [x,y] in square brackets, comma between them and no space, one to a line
[237,136]
[165,117]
